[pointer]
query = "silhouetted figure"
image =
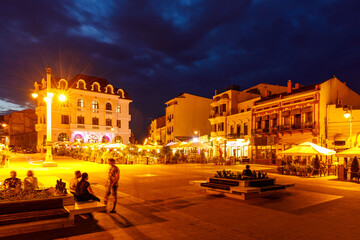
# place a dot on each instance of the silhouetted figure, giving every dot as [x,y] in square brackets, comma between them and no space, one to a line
[247,171]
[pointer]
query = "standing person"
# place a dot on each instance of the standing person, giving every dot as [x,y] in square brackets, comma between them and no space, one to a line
[75,180]
[83,190]
[13,182]
[112,183]
[30,182]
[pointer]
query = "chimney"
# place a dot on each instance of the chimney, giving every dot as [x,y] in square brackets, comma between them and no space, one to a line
[215,92]
[297,85]
[289,86]
[345,83]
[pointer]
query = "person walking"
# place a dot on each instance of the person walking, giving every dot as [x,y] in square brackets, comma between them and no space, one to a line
[83,190]
[30,182]
[112,183]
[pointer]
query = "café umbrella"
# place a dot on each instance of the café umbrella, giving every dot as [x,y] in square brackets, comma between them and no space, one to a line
[352,152]
[308,149]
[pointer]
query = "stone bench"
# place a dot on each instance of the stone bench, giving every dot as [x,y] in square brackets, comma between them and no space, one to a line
[243,189]
[85,207]
[26,216]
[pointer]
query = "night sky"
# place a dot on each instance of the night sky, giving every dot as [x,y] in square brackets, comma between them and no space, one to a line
[156,50]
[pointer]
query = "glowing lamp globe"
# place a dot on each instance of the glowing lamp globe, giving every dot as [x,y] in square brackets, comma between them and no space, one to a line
[347,115]
[62,98]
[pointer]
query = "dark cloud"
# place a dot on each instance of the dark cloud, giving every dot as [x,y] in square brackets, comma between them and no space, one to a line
[157,49]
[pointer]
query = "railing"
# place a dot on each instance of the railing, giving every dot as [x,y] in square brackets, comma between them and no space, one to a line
[95,127]
[80,126]
[286,127]
[81,109]
[234,136]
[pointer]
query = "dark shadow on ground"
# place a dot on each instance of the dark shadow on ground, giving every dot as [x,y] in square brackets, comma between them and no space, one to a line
[83,225]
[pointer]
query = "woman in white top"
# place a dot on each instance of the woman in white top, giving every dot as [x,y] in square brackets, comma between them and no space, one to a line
[30,182]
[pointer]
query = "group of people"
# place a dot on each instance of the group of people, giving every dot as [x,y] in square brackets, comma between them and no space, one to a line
[82,189]
[14,183]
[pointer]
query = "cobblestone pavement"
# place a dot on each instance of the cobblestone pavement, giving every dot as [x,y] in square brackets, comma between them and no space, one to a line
[158,202]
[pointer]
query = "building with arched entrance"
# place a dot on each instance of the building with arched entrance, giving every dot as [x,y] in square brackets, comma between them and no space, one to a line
[94,111]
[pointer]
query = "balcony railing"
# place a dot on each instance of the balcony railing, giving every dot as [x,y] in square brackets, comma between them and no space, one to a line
[285,127]
[234,136]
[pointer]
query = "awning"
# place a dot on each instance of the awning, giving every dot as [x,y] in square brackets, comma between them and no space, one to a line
[307,149]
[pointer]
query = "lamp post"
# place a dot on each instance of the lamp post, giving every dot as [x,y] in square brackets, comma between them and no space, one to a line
[49,162]
[348,114]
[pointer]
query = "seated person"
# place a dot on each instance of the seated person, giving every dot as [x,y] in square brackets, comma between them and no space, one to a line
[247,171]
[30,182]
[83,190]
[13,182]
[74,181]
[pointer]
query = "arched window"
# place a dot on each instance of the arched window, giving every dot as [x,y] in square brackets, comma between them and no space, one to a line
[93,139]
[63,137]
[96,87]
[105,139]
[95,104]
[62,84]
[118,109]
[78,138]
[108,106]
[109,89]
[81,84]
[80,103]
[118,139]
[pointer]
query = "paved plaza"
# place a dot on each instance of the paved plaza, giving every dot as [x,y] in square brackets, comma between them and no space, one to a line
[158,202]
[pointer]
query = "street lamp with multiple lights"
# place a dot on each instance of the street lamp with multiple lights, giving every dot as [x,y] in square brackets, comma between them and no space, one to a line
[348,114]
[49,162]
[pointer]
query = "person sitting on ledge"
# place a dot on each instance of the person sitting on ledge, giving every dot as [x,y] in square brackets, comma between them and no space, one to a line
[13,182]
[83,190]
[247,171]
[30,182]
[74,181]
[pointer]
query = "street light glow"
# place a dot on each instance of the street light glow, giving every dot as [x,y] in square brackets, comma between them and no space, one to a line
[4,124]
[34,95]
[347,115]
[62,98]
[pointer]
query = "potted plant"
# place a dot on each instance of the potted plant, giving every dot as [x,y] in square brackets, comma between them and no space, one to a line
[354,168]
[280,169]
[309,170]
[286,170]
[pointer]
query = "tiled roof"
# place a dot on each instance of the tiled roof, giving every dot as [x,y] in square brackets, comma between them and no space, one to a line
[293,91]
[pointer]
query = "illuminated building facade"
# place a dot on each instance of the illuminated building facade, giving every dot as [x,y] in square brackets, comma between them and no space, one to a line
[231,119]
[185,115]
[94,111]
[157,131]
[311,113]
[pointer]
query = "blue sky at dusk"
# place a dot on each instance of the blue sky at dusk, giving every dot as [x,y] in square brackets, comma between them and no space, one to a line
[156,49]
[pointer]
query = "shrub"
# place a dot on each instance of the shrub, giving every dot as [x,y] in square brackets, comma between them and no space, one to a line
[355,165]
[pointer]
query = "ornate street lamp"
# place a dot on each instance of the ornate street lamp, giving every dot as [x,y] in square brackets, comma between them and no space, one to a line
[348,114]
[49,162]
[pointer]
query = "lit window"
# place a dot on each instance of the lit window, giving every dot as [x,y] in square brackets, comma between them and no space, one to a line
[80,103]
[118,109]
[95,105]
